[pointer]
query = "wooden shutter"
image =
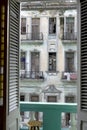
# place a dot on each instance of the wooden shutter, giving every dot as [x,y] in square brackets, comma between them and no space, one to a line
[9,64]
[82,63]
[84,55]
[13,66]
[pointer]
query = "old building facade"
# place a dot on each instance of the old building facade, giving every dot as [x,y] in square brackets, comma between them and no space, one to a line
[48,56]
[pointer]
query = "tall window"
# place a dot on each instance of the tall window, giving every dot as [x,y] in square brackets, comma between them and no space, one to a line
[52,25]
[22,98]
[35,28]
[23,25]
[23,59]
[35,59]
[52,61]
[70,24]
[69,61]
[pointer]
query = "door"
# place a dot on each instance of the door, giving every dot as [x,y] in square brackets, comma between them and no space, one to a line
[52,61]
[35,28]
[82,65]
[69,61]
[70,27]
[35,64]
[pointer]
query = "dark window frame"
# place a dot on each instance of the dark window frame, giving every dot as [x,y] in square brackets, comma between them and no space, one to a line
[69,61]
[52,61]
[52,25]
[23,25]
[23,60]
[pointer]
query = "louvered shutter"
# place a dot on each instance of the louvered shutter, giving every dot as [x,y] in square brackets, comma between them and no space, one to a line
[82,63]
[84,55]
[13,66]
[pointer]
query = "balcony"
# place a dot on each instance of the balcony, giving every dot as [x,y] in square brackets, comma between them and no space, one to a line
[32,38]
[31,75]
[69,36]
[69,76]
[51,114]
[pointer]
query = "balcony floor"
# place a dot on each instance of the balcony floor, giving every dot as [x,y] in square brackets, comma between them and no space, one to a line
[41,129]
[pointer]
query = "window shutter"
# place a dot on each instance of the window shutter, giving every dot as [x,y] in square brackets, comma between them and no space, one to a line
[13,66]
[84,55]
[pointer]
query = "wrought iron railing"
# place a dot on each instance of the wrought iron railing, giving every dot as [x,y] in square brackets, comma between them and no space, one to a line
[31,74]
[69,36]
[32,36]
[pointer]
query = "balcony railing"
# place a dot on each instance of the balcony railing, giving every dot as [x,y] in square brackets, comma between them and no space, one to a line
[69,76]
[69,36]
[51,113]
[32,36]
[31,74]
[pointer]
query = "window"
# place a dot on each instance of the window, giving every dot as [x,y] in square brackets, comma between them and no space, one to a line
[70,24]
[52,61]
[35,61]
[23,25]
[51,98]
[69,61]
[34,98]
[22,98]
[35,28]
[52,25]
[23,59]
[70,98]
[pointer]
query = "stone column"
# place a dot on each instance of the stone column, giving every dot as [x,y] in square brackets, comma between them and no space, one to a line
[73,122]
[27,63]
[26,114]
[32,116]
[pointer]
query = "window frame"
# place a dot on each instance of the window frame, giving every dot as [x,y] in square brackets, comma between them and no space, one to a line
[23,25]
[66,67]
[52,64]
[55,20]
[24,60]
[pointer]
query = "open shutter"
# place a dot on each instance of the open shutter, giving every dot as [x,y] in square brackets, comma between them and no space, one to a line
[84,55]
[82,102]
[14,55]
[13,66]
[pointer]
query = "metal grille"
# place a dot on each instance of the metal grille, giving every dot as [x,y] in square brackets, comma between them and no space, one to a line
[84,55]
[13,55]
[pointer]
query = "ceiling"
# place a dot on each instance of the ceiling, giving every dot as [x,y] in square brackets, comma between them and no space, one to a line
[48,4]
